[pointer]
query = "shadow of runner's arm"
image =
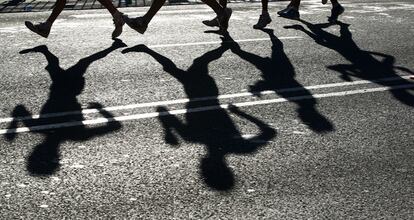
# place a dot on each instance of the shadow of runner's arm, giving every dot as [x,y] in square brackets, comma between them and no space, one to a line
[404,69]
[18,111]
[170,122]
[205,59]
[110,126]
[346,70]
[266,132]
[52,61]
[254,59]
[168,65]
[84,63]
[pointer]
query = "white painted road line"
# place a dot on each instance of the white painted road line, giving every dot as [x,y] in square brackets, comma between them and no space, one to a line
[219,42]
[200,109]
[186,100]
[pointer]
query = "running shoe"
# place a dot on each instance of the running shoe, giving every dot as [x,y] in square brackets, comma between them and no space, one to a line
[223,19]
[324,1]
[289,12]
[264,20]
[42,29]
[335,12]
[118,22]
[137,23]
[211,23]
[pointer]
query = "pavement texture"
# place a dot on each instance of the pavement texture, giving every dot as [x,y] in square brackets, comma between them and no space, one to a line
[302,120]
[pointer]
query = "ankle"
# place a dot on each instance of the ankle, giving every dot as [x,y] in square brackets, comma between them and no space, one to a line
[294,7]
[48,23]
[146,20]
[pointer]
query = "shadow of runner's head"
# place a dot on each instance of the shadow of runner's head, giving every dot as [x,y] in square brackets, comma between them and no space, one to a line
[215,173]
[44,160]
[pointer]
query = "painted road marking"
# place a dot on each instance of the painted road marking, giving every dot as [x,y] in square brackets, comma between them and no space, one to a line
[219,42]
[186,100]
[199,109]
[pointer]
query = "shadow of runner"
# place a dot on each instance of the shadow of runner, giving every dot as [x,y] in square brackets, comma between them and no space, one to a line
[66,86]
[363,64]
[278,73]
[214,128]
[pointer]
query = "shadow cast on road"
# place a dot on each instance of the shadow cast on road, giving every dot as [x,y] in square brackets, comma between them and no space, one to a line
[278,74]
[208,124]
[66,86]
[363,63]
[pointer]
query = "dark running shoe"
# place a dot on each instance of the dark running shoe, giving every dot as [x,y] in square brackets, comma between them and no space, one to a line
[290,13]
[211,23]
[137,23]
[42,29]
[264,20]
[335,12]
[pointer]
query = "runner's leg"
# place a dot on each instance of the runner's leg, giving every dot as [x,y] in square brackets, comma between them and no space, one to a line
[59,6]
[43,28]
[116,17]
[264,18]
[140,24]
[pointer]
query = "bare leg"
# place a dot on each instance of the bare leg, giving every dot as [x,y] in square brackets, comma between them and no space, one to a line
[155,7]
[264,6]
[43,29]
[294,4]
[217,8]
[108,5]
[60,4]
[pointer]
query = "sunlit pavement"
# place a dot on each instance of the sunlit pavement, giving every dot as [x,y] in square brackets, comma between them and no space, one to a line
[301,120]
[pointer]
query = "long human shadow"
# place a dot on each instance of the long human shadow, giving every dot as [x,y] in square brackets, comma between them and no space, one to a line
[66,86]
[205,122]
[363,63]
[278,74]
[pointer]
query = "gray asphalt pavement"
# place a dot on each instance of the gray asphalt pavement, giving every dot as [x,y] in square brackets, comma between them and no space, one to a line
[302,120]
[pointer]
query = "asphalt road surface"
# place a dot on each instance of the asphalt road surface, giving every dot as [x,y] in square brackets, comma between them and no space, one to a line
[305,119]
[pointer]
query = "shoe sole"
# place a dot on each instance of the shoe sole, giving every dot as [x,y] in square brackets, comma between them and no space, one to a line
[289,17]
